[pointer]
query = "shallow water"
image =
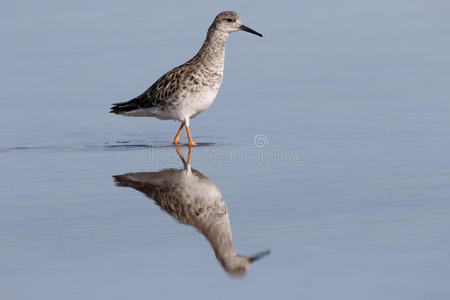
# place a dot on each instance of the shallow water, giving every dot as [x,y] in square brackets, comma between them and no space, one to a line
[333,153]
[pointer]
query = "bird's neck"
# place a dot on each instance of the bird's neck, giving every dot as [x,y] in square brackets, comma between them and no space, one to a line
[212,52]
[219,235]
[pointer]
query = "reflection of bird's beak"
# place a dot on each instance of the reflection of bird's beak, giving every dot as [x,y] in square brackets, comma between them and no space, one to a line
[258,256]
[245,28]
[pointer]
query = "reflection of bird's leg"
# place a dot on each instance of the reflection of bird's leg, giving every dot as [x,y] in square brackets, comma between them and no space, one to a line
[176,140]
[189,155]
[180,154]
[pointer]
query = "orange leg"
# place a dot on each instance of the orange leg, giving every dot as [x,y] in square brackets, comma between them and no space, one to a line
[191,142]
[176,140]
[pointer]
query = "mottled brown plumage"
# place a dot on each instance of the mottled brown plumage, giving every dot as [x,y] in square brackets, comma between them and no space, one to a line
[189,89]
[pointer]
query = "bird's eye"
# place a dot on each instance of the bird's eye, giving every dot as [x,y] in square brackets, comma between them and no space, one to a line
[230,20]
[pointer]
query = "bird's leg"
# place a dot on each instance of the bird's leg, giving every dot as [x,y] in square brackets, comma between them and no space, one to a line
[191,142]
[176,140]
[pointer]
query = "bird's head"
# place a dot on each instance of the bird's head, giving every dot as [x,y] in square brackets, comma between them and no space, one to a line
[229,21]
[238,265]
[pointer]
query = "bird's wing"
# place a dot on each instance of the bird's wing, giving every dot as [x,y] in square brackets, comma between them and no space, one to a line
[158,93]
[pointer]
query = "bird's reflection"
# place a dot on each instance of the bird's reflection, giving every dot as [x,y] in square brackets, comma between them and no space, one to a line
[193,199]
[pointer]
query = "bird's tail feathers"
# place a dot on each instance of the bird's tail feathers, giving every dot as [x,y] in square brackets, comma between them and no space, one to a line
[122,107]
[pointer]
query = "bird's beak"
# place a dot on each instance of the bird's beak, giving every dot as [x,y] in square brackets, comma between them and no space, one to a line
[258,256]
[245,28]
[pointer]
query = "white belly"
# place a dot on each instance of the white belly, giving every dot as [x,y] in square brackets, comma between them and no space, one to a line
[182,108]
[188,105]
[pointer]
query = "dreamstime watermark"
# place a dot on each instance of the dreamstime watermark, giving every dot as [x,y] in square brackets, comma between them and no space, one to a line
[260,153]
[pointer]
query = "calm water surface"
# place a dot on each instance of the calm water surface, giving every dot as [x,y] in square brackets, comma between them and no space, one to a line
[328,141]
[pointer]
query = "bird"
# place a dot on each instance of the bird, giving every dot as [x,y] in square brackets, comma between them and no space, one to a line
[193,199]
[189,89]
